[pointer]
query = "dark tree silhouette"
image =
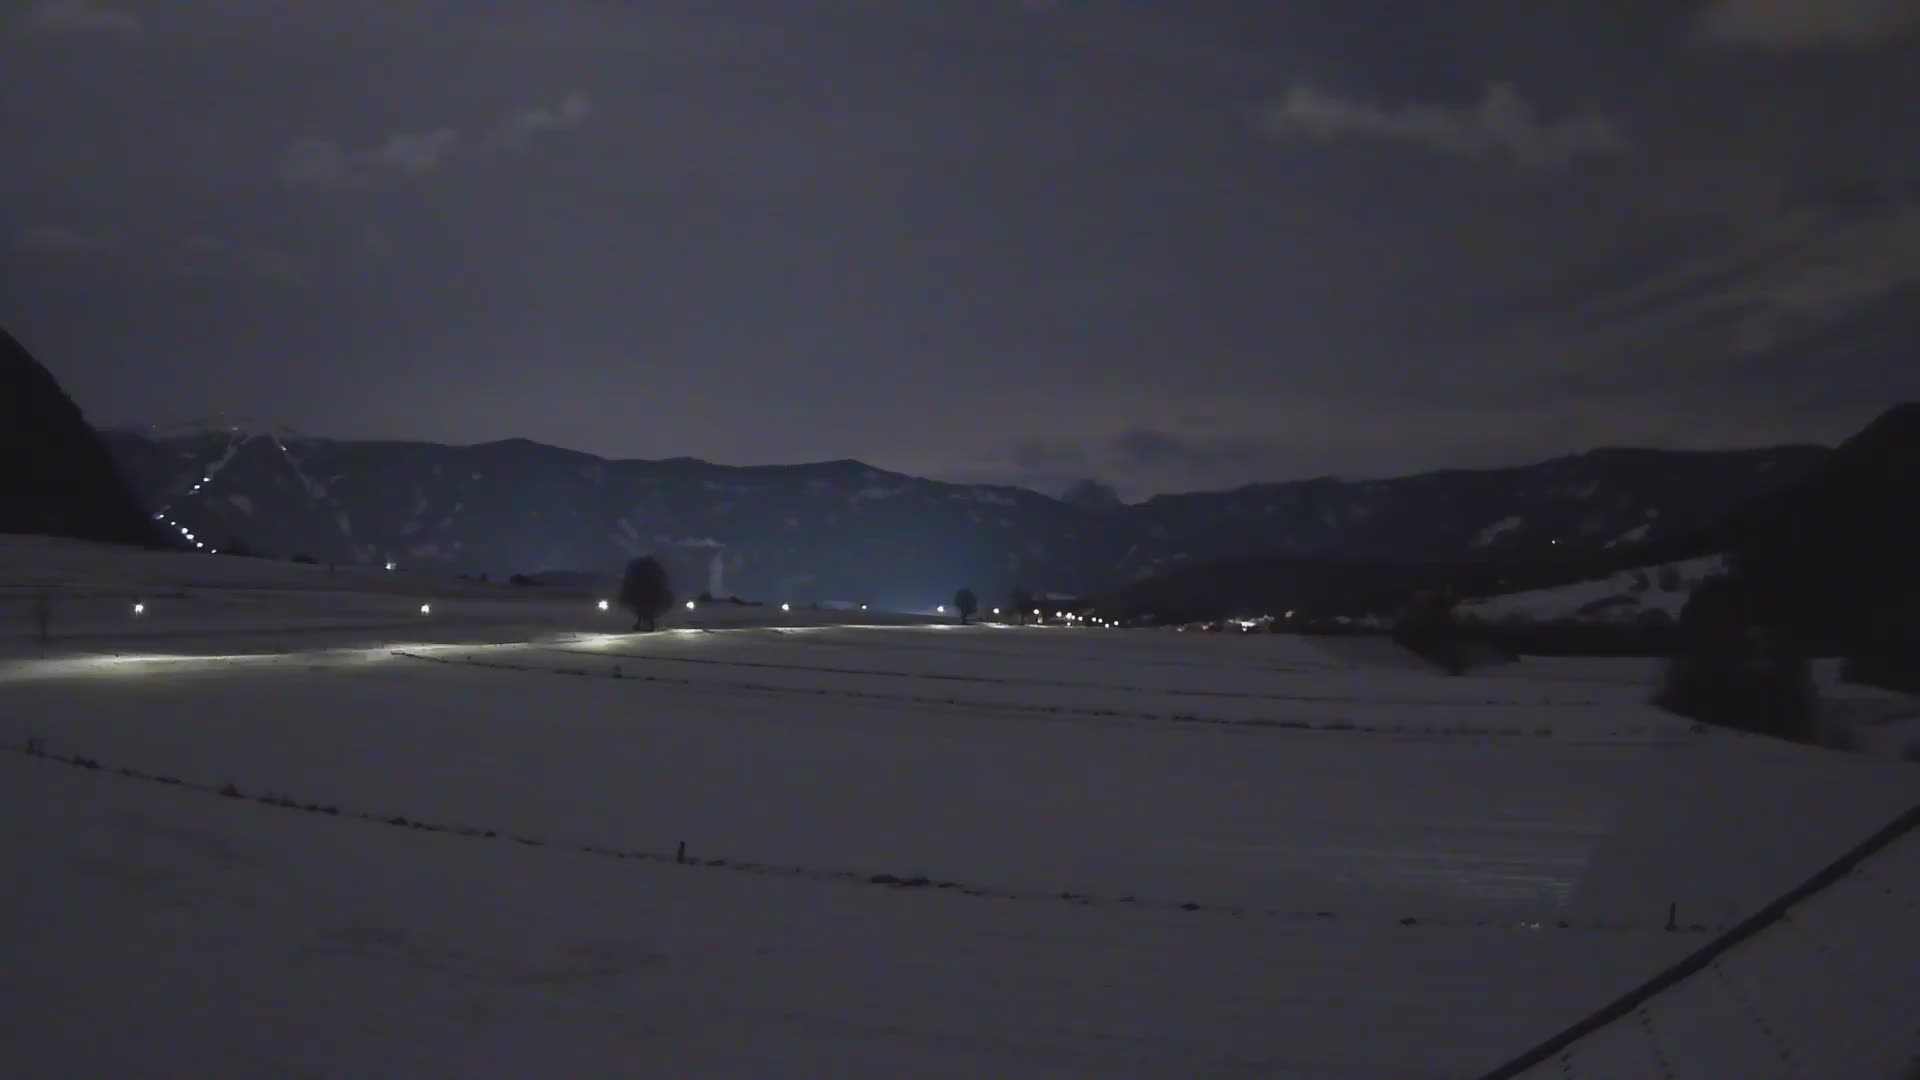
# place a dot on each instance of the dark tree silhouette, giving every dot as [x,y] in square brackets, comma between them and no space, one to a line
[966,604]
[645,591]
[1022,601]
[40,608]
[1428,627]
[1739,666]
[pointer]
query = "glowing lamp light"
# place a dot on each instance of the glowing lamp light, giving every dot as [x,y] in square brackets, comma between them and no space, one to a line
[139,609]
[689,605]
[786,607]
[941,610]
[863,607]
[198,544]
[604,605]
[389,566]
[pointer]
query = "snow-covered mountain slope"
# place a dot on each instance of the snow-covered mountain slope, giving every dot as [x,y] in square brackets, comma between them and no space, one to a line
[1650,593]
[838,530]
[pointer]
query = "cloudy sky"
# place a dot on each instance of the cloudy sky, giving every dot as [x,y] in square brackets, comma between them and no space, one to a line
[1169,245]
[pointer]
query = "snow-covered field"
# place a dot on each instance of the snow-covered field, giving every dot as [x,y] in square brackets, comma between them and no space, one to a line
[910,848]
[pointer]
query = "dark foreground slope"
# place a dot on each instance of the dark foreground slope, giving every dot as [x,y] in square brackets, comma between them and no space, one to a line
[56,476]
[1837,554]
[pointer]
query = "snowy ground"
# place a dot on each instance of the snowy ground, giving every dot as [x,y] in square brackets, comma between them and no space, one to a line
[910,848]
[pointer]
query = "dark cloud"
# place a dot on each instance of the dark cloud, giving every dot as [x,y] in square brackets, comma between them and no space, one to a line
[316,161]
[918,234]
[66,240]
[1501,124]
[1811,24]
[1150,447]
[84,17]
[517,129]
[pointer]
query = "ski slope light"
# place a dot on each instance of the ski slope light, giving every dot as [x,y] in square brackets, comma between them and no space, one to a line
[604,605]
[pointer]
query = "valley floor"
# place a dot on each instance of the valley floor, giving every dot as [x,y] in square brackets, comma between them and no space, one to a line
[908,849]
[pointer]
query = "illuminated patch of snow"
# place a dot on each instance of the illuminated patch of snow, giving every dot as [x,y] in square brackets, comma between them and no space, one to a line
[1633,535]
[1496,530]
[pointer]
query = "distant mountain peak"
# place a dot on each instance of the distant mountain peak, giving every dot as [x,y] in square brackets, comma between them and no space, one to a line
[1090,494]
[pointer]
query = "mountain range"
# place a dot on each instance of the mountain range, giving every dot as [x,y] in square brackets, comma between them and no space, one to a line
[846,531]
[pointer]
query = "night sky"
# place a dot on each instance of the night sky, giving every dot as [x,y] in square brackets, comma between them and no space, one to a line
[1169,245]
